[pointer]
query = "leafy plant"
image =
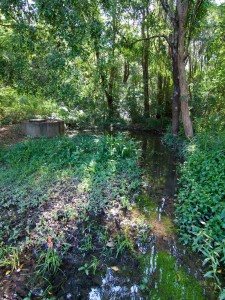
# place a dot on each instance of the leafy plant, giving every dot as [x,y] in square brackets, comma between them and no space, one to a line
[123,243]
[90,267]
[200,207]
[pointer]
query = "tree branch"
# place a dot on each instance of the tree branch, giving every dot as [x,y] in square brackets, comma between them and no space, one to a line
[6,25]
[168,10]
[151,38]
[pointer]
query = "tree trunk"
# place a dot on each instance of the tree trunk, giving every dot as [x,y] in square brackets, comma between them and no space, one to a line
[145,62]
[145,80]
[176,86]
[167,97]
[181,95]
[108,88]
[109,94]
[159,96]
[126,72]
[182,9]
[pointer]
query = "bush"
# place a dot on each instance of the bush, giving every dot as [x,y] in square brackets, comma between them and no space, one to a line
[15,107]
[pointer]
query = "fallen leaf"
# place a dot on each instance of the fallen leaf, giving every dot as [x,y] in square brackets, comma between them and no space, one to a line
[110,244]
[50,243]
[115,268]
[178,277]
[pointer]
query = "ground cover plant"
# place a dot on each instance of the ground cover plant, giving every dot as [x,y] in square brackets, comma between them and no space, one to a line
[200,204]
[65,197]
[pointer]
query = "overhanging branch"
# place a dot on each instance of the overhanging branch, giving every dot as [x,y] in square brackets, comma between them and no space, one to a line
[151,38]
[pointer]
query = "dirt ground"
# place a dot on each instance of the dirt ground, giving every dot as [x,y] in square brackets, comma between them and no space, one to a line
[10,135]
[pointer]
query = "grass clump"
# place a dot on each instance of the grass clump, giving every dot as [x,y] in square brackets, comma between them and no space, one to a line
[200,205]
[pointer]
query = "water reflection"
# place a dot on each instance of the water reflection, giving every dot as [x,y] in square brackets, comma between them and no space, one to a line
[114,286]
[160,164]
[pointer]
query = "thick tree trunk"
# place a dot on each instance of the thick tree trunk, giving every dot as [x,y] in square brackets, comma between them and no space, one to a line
[182,9]
[181,94]
[176,88]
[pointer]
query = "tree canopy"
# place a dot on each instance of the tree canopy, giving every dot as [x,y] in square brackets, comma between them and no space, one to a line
[126,61]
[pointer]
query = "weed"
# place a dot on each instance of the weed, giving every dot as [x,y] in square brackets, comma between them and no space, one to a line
[48,263]
[86,243]
[90,267]
[9,257]
[123,243]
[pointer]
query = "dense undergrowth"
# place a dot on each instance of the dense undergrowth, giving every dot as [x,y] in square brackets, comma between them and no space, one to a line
[15,107]
[201,202]
[54,195]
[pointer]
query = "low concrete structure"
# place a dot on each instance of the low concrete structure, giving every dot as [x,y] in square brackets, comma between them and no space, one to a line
[43,128]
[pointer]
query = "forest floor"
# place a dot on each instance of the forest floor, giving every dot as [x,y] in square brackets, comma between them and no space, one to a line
[78,220]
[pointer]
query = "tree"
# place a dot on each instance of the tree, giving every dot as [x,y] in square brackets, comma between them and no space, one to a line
[183,19]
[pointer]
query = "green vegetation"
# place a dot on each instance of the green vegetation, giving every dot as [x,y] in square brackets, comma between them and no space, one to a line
[200,204]
[85,62]
[173,282]
[120,64]
[48,263]
[16,107]
[57,191]
[9,257]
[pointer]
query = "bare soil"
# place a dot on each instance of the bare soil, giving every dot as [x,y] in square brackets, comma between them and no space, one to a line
[10,135]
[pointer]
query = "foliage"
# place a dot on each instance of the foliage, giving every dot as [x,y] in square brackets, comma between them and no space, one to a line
[206,80]
[79,66]
[200,205]
[48,263]
[75,180]
[178,143]
[105,168]
[9,257]
[87,267]
[14,107]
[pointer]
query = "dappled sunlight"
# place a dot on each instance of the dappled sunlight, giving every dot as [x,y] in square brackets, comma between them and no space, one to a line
[80,211]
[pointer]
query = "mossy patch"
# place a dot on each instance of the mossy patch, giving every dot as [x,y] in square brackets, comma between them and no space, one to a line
[163,279]
[146,205]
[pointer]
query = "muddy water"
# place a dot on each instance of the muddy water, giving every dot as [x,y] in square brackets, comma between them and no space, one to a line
[165,270]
